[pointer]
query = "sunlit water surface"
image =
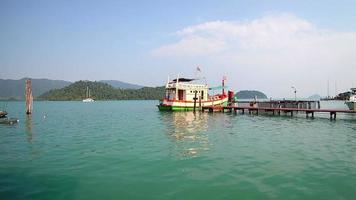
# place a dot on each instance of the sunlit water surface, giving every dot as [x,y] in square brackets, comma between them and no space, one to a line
[130,150]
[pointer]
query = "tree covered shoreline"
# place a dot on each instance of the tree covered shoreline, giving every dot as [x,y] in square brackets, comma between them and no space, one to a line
[101,91]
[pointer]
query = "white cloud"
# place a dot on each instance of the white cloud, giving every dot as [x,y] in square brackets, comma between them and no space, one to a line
[283,47]
[192,46]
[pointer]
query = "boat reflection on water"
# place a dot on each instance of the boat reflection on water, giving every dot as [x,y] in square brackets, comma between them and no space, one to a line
[188,130]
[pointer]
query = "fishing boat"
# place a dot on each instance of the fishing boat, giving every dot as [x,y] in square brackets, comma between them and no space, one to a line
[183,94]
[351,103]
[88,99]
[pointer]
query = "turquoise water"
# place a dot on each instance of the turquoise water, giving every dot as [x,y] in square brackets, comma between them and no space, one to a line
[129,150]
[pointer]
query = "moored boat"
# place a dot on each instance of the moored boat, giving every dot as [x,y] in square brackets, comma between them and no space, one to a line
[88,99]
[5,120]
[10,121]
[351,103]
[184,94]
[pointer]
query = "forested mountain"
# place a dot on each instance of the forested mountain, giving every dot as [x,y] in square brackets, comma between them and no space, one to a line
[101,91]
[15,89]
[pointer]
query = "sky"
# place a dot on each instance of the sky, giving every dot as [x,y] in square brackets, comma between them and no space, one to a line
[269,46]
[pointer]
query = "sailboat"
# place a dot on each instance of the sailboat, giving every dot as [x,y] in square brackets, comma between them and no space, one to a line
[88,99]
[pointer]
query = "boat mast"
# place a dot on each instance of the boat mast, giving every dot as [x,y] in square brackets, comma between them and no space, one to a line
[223,85]
[328,90]
[86,93]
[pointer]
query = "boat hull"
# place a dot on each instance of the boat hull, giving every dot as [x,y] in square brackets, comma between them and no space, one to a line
[88,100]
[189,106]
[8,120]
[351,105]
[175,108]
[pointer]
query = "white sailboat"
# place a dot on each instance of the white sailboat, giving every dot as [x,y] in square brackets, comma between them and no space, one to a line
[88,99]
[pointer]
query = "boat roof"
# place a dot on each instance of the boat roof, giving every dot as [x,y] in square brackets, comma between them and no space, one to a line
[183,80]
[353,89]
[218,88]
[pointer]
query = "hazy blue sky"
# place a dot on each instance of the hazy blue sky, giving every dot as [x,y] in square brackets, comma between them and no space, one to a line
[264,45]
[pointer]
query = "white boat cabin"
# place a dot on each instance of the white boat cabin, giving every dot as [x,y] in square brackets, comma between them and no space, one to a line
[184,89]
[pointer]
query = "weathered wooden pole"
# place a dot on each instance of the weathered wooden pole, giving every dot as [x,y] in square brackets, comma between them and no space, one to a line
[29,97]
[195,100]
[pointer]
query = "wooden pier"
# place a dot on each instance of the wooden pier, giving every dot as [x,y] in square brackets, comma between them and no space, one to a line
[256,110]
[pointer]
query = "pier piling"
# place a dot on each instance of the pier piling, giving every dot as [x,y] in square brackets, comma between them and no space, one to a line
[273,110]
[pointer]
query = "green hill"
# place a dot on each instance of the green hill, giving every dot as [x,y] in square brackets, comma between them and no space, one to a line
[122,85]
[250,94]
[101,91]
[15,89]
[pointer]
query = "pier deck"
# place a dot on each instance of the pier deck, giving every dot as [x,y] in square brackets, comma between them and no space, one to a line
[256,110]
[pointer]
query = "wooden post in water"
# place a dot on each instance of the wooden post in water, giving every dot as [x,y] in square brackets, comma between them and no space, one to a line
[195,100]
[29,97]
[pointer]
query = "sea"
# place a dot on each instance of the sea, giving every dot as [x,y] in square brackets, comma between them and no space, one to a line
[130,150]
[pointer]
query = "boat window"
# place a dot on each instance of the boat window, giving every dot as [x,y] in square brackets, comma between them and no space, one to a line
[180,94]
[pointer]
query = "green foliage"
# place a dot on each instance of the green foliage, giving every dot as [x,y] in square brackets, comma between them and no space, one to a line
[101,91]
[250,94]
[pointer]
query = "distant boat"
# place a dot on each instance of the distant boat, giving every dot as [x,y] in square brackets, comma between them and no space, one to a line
[6,120]
[88,99]
[351,103]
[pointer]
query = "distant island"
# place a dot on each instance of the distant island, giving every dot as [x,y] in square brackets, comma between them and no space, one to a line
[59,90]
[101,91]
[314,97]
[13,90]
[250,94]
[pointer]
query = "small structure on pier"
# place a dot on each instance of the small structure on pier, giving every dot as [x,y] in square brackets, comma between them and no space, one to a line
[29,97]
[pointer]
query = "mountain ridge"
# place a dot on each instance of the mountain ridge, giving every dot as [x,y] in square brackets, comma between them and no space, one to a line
[14,89]
[121,84]
[101,91]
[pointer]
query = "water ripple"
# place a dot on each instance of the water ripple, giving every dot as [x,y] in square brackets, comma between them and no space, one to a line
[129,150]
